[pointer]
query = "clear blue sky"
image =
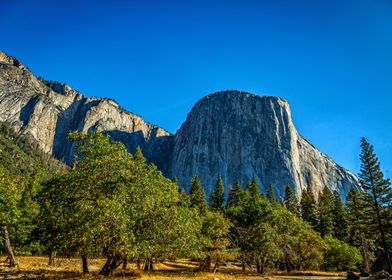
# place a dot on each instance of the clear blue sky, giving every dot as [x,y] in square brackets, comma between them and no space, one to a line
[332,60]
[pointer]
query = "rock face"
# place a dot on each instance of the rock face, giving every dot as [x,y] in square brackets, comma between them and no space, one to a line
[240,135]
[233,134]
[47,111]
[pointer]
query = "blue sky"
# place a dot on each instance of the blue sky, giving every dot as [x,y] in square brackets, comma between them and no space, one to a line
[332,59]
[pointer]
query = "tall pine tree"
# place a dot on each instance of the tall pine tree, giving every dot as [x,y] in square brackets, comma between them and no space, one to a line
[271,194]
[217,196]
[358,221]
[340,219]
[308,206]
[325,208]
[291,201]
[253,188]
[377,192]
[197,195]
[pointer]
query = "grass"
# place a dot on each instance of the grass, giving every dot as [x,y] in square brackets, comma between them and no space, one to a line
[70,268]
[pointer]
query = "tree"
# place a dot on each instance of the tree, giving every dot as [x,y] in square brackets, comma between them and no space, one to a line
[291,201]
[10,196]
[358,227]
[340,218]
[217,196]
[340,256]
[325,208]
[308,207]
[197,195]
[270,195]
[114,204]
[253,188]
[215,241]
[377,192]
[138,155]
[235,195]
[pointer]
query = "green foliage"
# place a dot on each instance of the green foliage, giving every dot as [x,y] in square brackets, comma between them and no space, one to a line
[217,196]
[291,201]
[113,203]
[270,195]
[377,196]
[197,195]
[266,233]
[235,195]
[325,211]
[253,188]
[23,164]
[340,218]
[308,207]
[341,256]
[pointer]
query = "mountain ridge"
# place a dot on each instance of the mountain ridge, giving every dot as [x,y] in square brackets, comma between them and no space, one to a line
[48,110]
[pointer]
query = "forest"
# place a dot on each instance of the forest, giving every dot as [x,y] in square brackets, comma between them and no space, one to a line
[114,205]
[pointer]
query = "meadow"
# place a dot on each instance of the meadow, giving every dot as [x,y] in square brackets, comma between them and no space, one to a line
[36,267]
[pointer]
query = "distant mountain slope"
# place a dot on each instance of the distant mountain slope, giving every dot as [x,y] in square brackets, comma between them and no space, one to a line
[21,157]
[47,111]
[230,133]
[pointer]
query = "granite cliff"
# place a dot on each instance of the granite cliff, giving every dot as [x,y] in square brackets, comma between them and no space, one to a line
[230,133]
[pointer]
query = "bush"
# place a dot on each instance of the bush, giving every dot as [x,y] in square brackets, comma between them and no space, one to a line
[341,256]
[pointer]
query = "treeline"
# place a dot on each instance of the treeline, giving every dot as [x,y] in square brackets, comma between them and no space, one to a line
[114,204]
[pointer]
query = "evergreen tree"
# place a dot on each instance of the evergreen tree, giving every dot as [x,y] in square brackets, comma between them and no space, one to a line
[377,192]
[308,207]
[270,195]
[253,188]
[235,195]
[197,195]
[291,201]
[358,226]
[217,196]
[139,154]
[230,197]
[325,208]
[340,219]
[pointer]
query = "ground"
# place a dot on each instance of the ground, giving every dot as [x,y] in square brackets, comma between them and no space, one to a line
[70,268]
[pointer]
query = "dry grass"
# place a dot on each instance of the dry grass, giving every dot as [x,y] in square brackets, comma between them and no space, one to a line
[70,268]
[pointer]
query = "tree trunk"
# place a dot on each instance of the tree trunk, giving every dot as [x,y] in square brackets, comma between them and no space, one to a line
[52,257]
[125,263]
[215,267]
[258,266]
[111,264]
[205,265]
[7,246]
[365,253]
[380,228]
[85,263]
[148,264]
[138,264]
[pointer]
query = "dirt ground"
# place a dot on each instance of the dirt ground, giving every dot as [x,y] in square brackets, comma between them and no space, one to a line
[70,268]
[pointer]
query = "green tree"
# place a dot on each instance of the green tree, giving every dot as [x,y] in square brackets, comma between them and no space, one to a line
[341,256]
[197,195]
[10,196]
[253,188]
[217,196]
[377,193]
[358,221]
[340,218]
[291,201]
[270,195]
[325,211]
[308,207]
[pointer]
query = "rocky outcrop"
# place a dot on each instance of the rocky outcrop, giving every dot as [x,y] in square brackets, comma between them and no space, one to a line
[47,111]
[233,134]
[239,135]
